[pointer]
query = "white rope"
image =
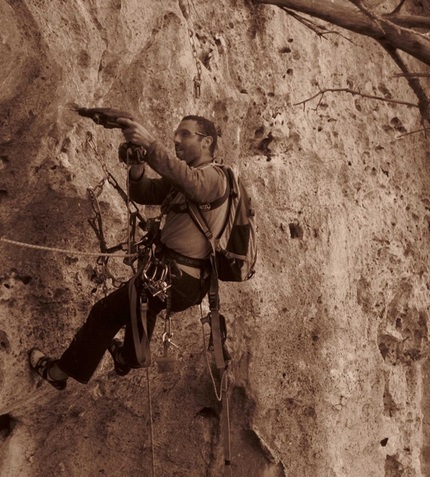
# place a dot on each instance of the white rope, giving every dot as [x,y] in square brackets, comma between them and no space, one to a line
[224,376]
[151,424]
[61,250]
[222,396]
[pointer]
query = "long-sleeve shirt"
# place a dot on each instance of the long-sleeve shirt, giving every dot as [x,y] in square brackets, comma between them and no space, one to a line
[202,184]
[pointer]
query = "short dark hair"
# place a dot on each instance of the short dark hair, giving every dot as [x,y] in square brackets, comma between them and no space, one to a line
[206,127]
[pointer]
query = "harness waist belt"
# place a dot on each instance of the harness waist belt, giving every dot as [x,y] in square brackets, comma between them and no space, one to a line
[182,259]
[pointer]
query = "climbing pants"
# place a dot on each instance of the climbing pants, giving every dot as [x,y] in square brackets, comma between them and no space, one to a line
[110,314]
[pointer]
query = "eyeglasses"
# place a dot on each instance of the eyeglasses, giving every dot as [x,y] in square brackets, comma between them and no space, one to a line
[184,134]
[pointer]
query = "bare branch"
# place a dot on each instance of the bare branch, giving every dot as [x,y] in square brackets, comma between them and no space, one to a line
[384,29]
[388,18]
[411,75]
[398,8]
[352,18]
[408,21]
[358,93]
[368,13]
[313,26]
[414,83]
[317,29]
[424,130]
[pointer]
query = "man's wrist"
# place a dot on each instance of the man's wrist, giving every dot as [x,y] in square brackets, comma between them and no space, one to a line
[136,172]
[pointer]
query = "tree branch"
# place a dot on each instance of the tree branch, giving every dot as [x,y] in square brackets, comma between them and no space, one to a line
[424,130]
[411,75]
[368,13]
[317,29]
[408,21]
[350,17]
[399,6]
[414,83]
[353,92]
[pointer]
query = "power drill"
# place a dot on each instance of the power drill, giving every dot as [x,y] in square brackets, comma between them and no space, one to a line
[108,118]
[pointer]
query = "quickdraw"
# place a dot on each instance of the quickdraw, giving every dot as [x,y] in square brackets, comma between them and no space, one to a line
[156,278]
[135,219]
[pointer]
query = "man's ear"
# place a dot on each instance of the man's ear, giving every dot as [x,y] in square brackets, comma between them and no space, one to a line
[207,141]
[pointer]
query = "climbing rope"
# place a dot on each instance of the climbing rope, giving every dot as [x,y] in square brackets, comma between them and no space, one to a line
[132,246]
[61,250]
[222,396]
[151,424]
[224,376]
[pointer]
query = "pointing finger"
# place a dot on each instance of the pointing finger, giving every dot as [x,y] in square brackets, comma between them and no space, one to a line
[125,121]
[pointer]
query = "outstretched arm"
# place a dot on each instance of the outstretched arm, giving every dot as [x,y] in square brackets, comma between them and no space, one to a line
[136,133]
[198,184]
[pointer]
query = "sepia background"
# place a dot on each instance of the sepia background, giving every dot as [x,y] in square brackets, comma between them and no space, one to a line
[330,338]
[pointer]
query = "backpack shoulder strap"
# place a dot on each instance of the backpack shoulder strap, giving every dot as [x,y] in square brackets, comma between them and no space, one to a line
[213,293]
[220,201]
[204,206]
[200,221]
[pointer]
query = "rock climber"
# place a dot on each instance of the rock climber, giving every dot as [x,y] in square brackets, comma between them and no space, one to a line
[188,176]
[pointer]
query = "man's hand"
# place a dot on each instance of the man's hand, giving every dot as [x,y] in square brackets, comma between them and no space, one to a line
[136,133]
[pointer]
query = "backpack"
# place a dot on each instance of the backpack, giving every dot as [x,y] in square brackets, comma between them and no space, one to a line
[235,250]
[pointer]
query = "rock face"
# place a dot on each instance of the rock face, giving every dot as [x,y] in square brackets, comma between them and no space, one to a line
[330,338]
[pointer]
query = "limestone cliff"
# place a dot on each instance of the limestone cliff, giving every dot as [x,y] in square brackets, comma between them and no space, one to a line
[330,339]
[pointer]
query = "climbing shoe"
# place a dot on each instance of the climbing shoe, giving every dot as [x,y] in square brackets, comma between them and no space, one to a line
[114,349]
[42,364]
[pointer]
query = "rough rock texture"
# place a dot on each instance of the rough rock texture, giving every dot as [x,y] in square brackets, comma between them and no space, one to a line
[330,338]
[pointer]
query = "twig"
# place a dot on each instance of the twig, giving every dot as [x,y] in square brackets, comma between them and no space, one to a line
[414,83]
[413,132]
[386,20]
[411,75]
[368,13]
[317,29]
[409,21]
[399,6]
[348,90]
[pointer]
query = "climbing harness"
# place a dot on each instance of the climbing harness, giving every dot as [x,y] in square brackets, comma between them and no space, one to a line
[156,278]
[167,363]
[153,277]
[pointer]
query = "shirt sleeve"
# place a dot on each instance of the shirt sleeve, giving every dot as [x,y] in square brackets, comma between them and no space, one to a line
[199,184]
[149,191]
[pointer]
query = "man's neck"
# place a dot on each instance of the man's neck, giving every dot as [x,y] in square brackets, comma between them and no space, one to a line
[202,160]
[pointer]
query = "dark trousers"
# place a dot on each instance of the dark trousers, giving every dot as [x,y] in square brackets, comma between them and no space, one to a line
[110,314]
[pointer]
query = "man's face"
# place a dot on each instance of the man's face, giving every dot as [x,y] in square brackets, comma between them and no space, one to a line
[188,145]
